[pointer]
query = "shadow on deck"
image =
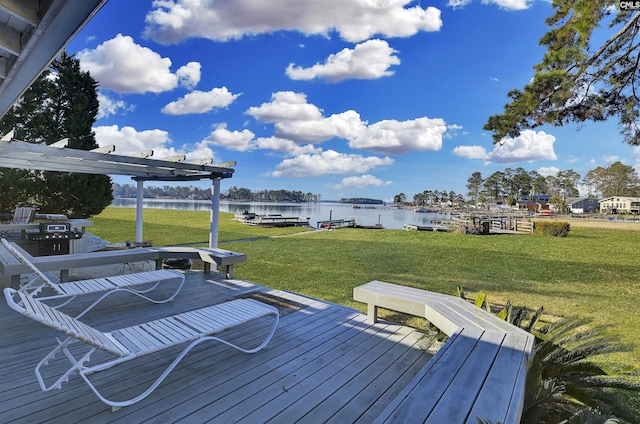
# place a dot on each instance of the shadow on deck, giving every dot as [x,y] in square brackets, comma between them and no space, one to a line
[324,364]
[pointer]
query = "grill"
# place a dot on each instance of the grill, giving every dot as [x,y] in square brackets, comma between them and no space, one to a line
[54,239]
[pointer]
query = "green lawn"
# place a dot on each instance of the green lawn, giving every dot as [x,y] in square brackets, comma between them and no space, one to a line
[592,273]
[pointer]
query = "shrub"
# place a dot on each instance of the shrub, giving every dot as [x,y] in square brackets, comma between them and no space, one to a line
[552,228]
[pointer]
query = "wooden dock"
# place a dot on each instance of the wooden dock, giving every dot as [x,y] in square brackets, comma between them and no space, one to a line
[324,364]
[332,224]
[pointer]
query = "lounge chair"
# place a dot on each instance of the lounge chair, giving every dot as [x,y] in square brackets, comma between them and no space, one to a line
[133,342]
[21,215]
[45,287]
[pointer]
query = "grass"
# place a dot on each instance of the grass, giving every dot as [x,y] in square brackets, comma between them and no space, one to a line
[592,273]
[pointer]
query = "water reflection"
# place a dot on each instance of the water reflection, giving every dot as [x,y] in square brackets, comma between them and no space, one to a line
[371,215]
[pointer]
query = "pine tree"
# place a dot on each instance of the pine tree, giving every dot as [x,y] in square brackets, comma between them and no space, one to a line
[61,103]
[580,77]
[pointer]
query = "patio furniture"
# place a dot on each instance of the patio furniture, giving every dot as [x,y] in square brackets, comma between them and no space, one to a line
[21,215]
[478,374]
[136,341]
[139,283]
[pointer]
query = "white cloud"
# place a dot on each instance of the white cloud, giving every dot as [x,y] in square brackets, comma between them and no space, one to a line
[471,152]
[510,4]
[504,4]
[345,125]
[453,130]
[202,151]
[285,145]
[128,140]
[368,60]
[328,162]
[109,106]
[636,158]
[285,106]
[172,21]
[201,102]
[396,137]
[546,171]
[458,4]
[611,159]
[527,147]
[123,66]
[362,181]
[232,140]
[302,122]
[189,75]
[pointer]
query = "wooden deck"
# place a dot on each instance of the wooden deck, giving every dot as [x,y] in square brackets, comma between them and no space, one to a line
[324,364]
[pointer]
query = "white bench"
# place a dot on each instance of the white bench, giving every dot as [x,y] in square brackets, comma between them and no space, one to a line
[480,371]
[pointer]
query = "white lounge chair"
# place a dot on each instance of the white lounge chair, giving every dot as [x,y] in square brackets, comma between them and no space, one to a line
[133,342]
[140,283]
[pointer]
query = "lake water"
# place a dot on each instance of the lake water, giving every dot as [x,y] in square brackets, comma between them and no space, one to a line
[323,211]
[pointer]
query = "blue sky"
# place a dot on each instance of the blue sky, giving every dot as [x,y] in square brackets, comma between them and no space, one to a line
[342,98]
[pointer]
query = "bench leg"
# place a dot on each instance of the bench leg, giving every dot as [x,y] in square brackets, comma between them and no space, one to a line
[207,267]
[64,275]
[229,271]
[15,281]
[372,313]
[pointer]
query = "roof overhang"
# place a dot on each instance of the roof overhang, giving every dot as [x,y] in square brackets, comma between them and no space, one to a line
[32,33]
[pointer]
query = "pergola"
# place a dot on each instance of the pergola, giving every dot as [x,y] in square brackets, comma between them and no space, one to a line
[57,157]
[32,33]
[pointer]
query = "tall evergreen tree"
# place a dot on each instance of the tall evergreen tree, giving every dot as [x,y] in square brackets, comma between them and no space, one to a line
[580,77]
[61,103]
[474,185]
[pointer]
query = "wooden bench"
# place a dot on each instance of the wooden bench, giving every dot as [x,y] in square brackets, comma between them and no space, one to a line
[12,268]
[480,371]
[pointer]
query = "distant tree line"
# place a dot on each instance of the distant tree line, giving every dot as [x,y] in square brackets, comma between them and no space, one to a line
[428,198]
[129,191]
[511,185]
[196,193]
[235,193]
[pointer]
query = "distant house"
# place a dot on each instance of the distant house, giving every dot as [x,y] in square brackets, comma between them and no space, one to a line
[529,206]
[583,204]
[620,204]
[542,198]
[458,203]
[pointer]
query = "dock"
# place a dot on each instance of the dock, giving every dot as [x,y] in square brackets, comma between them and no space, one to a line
[337,223]
[413,227]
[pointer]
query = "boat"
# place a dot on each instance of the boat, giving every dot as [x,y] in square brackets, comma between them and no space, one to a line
[273,220]
[424,210]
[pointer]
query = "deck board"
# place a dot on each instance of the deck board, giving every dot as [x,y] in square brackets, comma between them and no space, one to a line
[324,364]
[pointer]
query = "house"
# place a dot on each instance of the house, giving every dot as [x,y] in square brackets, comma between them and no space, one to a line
[620,204]
[543,198]
[531,207]
[583,204]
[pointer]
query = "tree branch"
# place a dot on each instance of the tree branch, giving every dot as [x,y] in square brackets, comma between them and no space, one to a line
[610,41]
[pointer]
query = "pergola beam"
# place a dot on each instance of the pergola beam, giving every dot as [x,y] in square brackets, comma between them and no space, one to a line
[18,154]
